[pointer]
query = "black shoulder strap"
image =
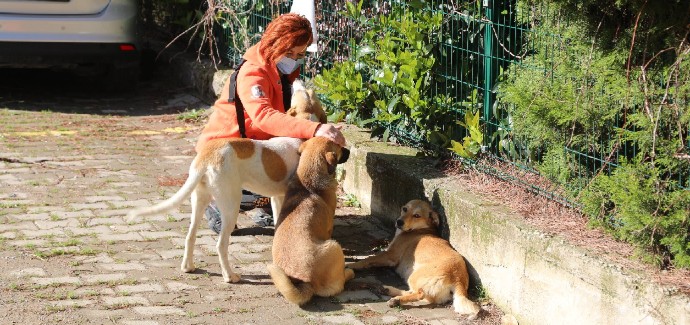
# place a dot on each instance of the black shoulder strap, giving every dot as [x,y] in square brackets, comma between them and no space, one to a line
[287,91]
[232,97]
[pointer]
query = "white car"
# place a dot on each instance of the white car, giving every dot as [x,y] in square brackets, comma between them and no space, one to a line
[90,37]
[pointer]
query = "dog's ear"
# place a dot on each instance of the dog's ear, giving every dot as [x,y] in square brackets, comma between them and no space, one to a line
[331,161]
[433,216]
[344,156]
[302,147]
[292,111]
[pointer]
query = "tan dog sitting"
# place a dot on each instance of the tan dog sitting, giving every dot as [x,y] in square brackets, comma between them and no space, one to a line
[433,270]
[221,170]
[305,104]
[306,261]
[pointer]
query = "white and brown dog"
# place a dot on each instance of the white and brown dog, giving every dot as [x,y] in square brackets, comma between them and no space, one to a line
[224,167]
[306,261]
[304,104]
[433,270]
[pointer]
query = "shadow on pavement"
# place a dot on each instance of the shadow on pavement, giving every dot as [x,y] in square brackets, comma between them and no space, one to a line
[65,92]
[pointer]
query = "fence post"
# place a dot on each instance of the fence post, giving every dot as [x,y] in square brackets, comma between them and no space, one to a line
[488,71]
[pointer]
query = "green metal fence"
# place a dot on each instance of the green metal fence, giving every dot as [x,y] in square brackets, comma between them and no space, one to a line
[488,37]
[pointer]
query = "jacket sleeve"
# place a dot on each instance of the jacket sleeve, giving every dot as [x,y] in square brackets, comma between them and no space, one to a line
[256,92]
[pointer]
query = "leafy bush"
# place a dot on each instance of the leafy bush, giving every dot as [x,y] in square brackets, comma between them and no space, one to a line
[386,82]
[614,88]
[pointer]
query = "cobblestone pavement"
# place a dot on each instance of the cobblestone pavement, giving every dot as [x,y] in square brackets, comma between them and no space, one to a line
[72,164]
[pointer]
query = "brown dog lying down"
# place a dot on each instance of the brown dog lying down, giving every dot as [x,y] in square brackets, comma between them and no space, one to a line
[306,261]
[431,267]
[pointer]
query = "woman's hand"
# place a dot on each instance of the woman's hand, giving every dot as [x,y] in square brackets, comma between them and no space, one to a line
[331,132]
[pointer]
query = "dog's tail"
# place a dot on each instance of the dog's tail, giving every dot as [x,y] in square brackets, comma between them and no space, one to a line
[299,294]
[184,192]
[464,305]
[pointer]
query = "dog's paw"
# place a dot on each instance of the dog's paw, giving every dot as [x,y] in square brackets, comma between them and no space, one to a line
[393,302]
[187,267]
[232,278]
[354,265]
[131,217]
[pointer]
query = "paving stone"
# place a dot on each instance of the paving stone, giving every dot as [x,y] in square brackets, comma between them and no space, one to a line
[65,163]
[28,225]
[94,199]
[130,236]
[72,303]
[32,272]
[29,242]
[14,182]
[160,234]
[390,320]
[131,203]
[243,248]
[43,233]
[86,206]
[73,214]
[171,253]
[97,230]
[159,310]
[58,280]
[125,301]
[250,257]
[357,295]
[139,322]
[44,209]
[130,228]
[8,235]
[32,216]
[164,263]
[180,242]
[126,184]
[343,319]
[16,202]
[452,321]
[179,286]
[105,221]
[114,213]
[146,287]
[137,256]
[122,266]
[57,224]
[103,278]
[13,195]
[100,258]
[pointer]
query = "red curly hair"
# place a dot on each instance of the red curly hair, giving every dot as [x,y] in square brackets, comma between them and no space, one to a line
[282,34]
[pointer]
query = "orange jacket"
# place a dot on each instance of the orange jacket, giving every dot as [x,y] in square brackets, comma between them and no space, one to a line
[264,116]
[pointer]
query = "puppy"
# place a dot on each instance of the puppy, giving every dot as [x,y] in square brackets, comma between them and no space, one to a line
[306,261]
[431,267]
[222,169]
[305,104]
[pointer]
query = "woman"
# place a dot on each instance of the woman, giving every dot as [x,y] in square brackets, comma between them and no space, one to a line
[261,93]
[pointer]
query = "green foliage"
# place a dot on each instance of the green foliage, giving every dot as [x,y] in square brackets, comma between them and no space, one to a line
[471,144]
[191,116]
[386,82]
[344,87]
[636,203]
[608,80]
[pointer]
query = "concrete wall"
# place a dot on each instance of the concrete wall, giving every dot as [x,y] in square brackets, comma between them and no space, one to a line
[538,278]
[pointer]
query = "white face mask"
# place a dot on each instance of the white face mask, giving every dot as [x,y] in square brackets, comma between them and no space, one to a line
[287,65]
